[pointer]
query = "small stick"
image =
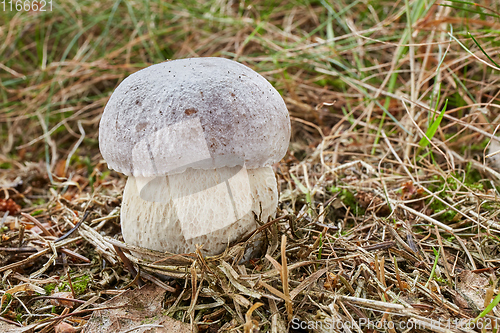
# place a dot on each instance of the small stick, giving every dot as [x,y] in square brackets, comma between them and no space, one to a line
[38,224]
[157,281]
[70,283]
[74,255]
[445,260]
[51,260]
[21,235]
[36,255]
[18,249]
[462,243]
[127,264]
[398,277]
[379,246]
[47,328]
[284,279]
[195,291]
[10,321]
[74,300]
[66,235]
[425,217]
[382,271]
[264,226]
[43,321]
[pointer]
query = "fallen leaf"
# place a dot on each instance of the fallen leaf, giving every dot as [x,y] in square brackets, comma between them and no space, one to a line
[471,290]
[64,328]
[62,302]
[139,309]
[60,168]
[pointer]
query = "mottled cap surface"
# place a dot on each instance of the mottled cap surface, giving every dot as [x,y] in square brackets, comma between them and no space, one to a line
[201,113]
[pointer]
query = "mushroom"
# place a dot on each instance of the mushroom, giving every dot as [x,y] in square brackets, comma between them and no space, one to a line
[494,152]
[197,138]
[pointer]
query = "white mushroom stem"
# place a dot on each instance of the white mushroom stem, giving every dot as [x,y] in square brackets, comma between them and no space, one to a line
[207,207]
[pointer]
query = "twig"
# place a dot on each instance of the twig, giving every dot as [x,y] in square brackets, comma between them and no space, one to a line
[445,260]
[38,224]
[75,147]
[38,254]
[127,264]
[10,321]
[66,235]
[18,249]
[70,282]
[284,279]
[74,300]
[157,281]
[48,263]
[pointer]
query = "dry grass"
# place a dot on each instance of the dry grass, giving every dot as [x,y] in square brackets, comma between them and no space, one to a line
[383,216]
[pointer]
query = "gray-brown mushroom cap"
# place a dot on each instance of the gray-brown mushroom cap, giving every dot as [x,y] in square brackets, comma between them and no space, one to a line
[202,113]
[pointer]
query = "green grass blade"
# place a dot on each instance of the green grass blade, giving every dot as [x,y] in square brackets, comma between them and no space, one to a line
[436,253]
[488,309]
[471,11]
[484,52]
[433,128]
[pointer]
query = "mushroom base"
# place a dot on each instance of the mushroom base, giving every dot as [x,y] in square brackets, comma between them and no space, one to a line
[211,208]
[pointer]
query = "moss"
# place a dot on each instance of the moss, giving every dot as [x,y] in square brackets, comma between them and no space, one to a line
[438,206]
[468,180]
[49,288]
[491,206]
[80,284]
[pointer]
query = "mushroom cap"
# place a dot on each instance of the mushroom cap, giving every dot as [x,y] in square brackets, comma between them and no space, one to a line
[199,113]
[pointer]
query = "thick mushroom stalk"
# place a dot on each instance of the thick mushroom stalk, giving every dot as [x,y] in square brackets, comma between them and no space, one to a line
[212,208]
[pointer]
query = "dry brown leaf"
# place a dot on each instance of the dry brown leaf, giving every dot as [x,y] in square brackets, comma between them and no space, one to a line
[132,309]
[472,291]
[60,168]
[62,302]
[64,328]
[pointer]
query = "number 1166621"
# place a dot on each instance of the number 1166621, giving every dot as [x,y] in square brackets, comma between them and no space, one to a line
[26,5]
